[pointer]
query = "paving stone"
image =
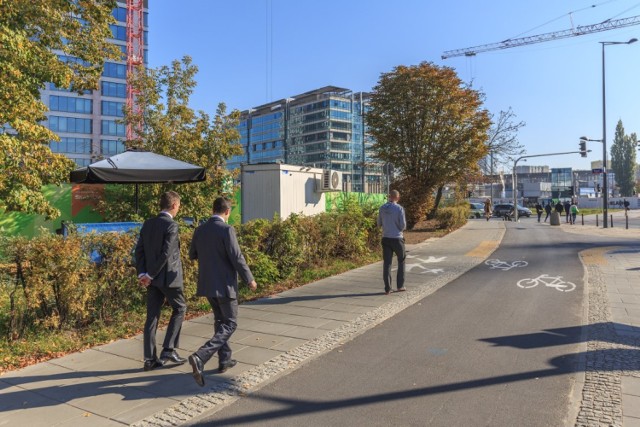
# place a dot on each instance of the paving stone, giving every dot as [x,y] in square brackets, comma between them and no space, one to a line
[255,355]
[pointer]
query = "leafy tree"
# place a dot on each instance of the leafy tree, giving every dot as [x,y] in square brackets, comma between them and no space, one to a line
[32,35]
[430,126]
[503,140]
[623,159]
[172,129]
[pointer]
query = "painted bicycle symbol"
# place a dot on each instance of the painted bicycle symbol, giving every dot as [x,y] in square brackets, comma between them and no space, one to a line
[549,281]
[496,264]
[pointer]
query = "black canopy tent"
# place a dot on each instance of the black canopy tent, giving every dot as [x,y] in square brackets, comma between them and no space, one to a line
[138,167]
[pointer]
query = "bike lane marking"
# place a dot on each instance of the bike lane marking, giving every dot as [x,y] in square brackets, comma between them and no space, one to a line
[497,264]
[555,282]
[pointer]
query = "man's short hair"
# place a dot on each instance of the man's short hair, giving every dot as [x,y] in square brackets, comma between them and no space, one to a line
[168,199]
[221,205]
[394,193]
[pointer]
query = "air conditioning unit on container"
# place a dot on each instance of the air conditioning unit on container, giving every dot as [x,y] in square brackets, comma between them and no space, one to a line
[329,181]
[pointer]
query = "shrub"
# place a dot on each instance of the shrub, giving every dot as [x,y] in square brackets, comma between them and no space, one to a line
[51,282]
[453,217]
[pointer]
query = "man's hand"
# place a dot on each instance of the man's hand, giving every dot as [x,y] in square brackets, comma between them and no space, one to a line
[253,285]
[144,281]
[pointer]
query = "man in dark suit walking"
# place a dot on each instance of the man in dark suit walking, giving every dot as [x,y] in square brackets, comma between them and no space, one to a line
[160,271]
[220,260]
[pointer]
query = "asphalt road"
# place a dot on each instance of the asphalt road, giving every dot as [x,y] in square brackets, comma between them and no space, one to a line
[480,351]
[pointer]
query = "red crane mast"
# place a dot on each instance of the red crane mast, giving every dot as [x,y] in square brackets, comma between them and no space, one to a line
[135,57]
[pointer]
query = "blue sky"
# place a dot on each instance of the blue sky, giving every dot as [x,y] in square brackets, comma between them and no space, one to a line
[250,52]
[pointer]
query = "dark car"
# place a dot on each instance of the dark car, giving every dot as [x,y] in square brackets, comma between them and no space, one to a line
[505,208]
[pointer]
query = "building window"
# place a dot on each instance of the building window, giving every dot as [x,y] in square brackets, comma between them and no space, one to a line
[111,69]
[69,124]
[116,90]
[71,145]
[111,108]
[111,147]
[120,13]
[119,32]
[110,127]
[70,105]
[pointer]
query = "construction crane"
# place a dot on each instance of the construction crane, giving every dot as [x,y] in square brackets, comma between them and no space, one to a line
[609,24]
[135,57]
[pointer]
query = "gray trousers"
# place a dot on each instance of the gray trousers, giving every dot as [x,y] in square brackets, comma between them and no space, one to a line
[155,300]
[225,313]
[392,246]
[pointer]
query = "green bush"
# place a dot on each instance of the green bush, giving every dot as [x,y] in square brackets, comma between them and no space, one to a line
[50,283]
[454,216]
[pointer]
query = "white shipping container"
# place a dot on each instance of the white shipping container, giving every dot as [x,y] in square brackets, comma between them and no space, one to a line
[270,189]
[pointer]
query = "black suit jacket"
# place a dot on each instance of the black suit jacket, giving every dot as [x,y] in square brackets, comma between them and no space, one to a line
[216,248]
[158,252]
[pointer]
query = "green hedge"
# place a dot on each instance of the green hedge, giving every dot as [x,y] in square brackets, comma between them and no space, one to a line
[453,217]
[50,283]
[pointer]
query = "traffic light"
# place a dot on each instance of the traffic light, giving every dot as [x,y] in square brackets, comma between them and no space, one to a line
[598,188]
[583,148]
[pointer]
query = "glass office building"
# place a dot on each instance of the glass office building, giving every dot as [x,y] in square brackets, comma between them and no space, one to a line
[88,123]
[322,128]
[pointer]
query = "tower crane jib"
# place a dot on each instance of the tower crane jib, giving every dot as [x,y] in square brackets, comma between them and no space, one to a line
[609,24]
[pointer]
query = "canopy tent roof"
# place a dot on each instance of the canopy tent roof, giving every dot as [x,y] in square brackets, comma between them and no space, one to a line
[138,167]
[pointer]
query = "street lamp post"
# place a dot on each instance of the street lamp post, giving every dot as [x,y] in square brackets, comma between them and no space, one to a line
[605,189]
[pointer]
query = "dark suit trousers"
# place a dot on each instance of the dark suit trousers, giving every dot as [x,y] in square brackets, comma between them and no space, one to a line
[392,246]
[225,313]
[155,299]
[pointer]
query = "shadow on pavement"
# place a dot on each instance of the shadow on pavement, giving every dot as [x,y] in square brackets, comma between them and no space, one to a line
[606,360]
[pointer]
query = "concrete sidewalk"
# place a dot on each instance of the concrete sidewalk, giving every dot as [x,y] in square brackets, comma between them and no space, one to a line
[106,386]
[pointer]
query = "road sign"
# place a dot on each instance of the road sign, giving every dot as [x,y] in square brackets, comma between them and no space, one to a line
[597,170]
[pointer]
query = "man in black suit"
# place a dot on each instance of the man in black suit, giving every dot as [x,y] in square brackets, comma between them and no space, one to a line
[160,271]
[216,248]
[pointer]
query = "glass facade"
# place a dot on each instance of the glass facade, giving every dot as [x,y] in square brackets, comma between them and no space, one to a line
[321,128]
[561,183]
[88,124]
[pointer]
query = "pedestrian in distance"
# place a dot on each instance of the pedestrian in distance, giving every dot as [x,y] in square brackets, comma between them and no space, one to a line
[626,206]
[220,260]
[159,268]
[487,209]
[559,207]
[539,210]
[547,209]
[567,209]
[574,212]
[393,222]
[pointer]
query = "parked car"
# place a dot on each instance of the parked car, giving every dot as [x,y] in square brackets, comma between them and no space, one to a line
[477,210]
[505,208]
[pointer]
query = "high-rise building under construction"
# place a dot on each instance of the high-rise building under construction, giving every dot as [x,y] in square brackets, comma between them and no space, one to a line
[88,123]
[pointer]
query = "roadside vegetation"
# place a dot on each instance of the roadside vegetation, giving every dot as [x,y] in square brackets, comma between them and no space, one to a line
[59,295]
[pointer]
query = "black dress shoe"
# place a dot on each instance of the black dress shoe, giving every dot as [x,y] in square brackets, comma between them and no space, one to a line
[198,367]
[150,365]
[227,365]
[173,356]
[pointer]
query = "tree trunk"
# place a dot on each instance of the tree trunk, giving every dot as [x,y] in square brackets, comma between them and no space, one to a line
[432,213]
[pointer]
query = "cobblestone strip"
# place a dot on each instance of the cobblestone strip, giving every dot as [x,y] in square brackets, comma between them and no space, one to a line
[609,357]
[251,380]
